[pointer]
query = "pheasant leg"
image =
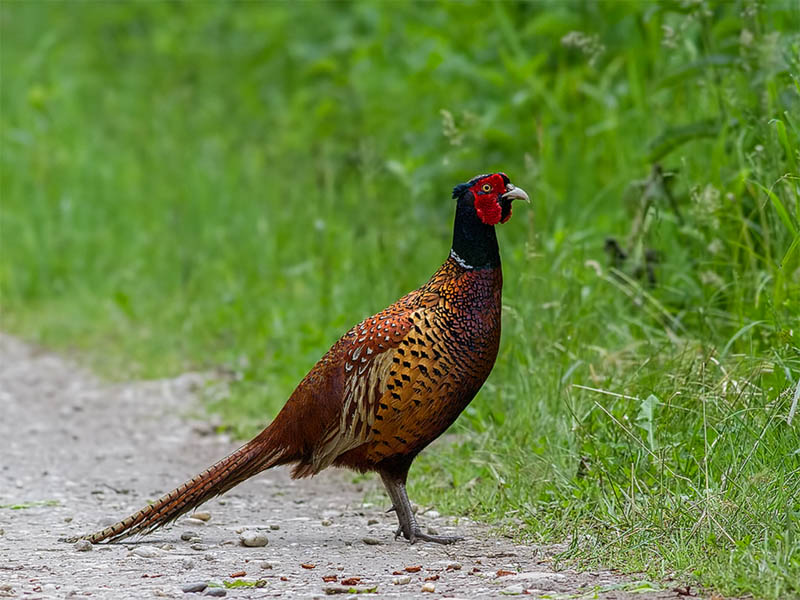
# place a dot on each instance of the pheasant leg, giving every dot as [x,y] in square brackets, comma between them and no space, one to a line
[405,515]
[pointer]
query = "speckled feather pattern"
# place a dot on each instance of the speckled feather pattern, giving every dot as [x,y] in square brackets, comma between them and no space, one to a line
[407,372]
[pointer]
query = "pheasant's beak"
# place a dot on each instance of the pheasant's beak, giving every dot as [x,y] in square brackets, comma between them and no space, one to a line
[515,193]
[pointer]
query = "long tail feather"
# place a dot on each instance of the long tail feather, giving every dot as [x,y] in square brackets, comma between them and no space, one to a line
[247,461]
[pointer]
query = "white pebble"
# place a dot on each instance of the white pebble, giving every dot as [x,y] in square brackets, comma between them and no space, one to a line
[83,546]
[405,579]
[512,590]
[146,551]
[428,587]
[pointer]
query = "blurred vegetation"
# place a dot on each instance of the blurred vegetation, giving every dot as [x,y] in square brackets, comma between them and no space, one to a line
[230,186]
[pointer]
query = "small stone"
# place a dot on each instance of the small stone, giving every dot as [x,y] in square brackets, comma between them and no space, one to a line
[274,527]
[83,546]
[433,514]
[199,547]
[512,590]
[189,536]
[166,547]
[371,541]
[372,522]
[432,530]
[454,566]
[253,539]
[404,580]
[67,519]
[187,564]
[428,587]
[194,522]
[266,565]
[217,592]
[202,516]
[194,587]
[146,551]
[326,522]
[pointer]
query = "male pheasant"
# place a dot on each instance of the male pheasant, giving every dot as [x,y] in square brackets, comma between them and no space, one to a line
[389,387]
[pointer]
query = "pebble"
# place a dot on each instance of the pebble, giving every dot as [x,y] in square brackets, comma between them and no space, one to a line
[266,565]
[218,592]
[203,516]
[432,530]
[433,514]
[253,539]
[274,527]
[67,519]
[187,564]
[512,590]
[326,522]
[166,547]
[193,521]
[405,579]
[428,587]
[189,536]
[145,551]
[199,547]
[371,541]
[83,546]
[373,522]
[195,587]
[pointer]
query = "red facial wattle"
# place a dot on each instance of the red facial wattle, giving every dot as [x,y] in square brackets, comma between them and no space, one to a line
[488,202]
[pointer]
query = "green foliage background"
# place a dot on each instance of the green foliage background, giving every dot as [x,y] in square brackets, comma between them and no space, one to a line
[230,186]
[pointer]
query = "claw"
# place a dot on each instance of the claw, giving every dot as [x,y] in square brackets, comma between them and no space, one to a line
[393,509]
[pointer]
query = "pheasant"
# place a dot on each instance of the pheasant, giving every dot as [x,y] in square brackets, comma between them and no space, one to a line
[389,387]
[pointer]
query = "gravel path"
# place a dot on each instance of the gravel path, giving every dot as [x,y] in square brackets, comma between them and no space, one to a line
[77,453]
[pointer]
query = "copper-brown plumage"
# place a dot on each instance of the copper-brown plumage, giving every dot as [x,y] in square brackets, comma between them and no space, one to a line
[388,387]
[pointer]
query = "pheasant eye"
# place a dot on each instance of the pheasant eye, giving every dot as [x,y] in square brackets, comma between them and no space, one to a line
[486,187]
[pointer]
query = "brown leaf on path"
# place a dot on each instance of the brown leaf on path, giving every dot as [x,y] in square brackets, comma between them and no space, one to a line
[351,581]
[329,578]
[432,578]
[308,566]
[397,572]
[237,574]
[416,569]
[504,572]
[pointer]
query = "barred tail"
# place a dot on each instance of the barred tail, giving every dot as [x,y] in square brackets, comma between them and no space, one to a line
[247,461]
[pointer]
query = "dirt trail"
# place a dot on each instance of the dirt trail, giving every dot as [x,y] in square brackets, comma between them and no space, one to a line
[77,453]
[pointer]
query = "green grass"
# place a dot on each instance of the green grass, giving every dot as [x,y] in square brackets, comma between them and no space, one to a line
[231,186]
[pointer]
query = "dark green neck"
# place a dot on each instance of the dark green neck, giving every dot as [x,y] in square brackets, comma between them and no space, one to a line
[474,242]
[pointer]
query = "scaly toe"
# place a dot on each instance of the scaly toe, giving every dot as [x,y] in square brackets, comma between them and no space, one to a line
[436,539]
